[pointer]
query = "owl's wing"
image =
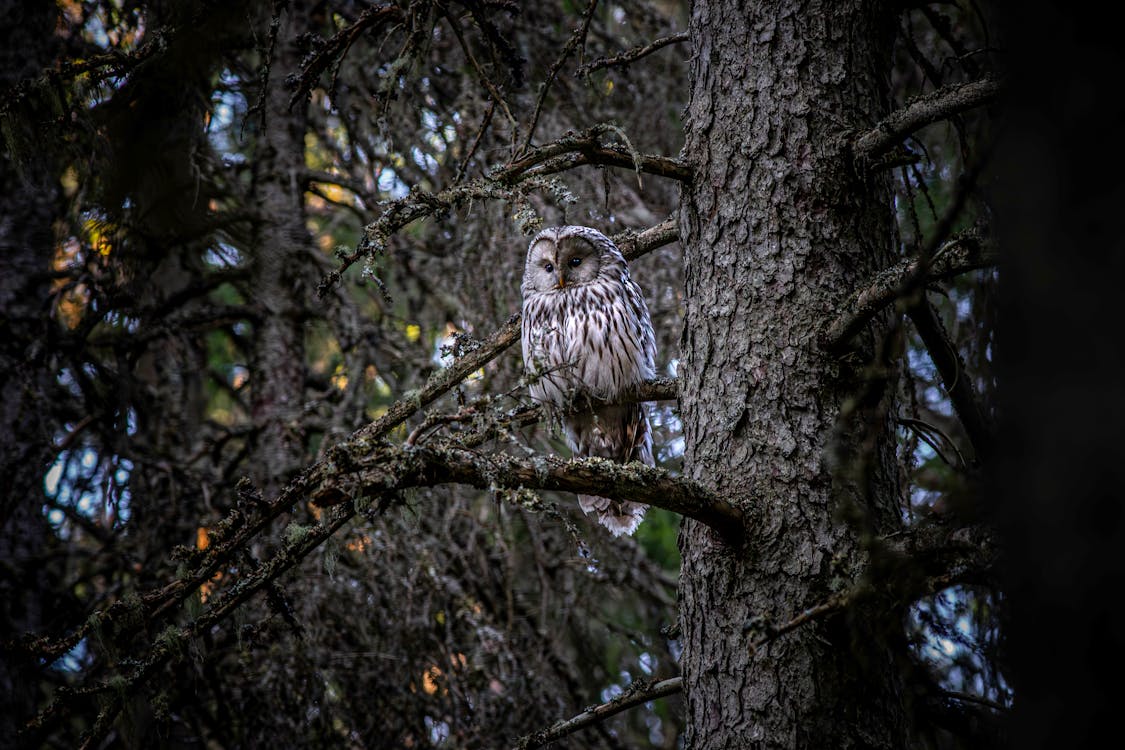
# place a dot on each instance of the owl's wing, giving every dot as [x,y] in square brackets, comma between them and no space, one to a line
[620,433]
[638,437]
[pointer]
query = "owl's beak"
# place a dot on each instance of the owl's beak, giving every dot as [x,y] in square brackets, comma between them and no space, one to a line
[562,282]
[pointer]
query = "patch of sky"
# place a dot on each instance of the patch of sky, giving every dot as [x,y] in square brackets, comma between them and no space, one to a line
[227,106]
[423,160]
[222,255]
[66,380]
[74,660]
[952,640]
[91,487]
[613,691]
[390,184]
[439,730]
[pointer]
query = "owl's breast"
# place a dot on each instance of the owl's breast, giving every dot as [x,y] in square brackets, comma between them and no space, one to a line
[585,339]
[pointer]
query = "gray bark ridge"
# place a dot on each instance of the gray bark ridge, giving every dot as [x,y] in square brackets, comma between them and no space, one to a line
[778,230]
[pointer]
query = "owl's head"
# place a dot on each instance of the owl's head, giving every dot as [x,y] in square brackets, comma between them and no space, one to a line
[565,257]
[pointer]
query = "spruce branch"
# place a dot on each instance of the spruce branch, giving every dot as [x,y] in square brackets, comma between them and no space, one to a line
[962,254]
[359,473]
[935,106]
[255,514]
[637,694]
[632,55]
[924,559]
[509,182]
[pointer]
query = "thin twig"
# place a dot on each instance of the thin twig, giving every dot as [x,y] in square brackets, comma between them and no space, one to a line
[636,695]
[361,471]
[632,55]
[484,123]
[923,429]
[498,184]
[337,47]
[959,386]
[579,35]
[493,92]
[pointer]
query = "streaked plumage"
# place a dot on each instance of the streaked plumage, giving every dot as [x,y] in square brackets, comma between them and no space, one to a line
[587,333]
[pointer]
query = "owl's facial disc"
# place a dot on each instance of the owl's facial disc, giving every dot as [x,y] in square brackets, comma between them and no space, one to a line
[577,262]
[556,264]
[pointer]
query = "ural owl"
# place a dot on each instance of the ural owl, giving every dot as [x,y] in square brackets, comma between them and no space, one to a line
[587,335]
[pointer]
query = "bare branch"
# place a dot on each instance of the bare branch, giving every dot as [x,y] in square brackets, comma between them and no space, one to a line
[337,47]
[577,36]
[958,383]
[633,245]
[360,470]
[937,105]
[314,176]
[493,92]
[486,120]
[632,55]
[924,559]
[637,694]
[500,183]
[960,255]
[443,381]
[612,156]
[588,143]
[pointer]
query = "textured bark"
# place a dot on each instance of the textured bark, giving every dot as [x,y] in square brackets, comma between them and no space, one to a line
[280,263]
[778,230]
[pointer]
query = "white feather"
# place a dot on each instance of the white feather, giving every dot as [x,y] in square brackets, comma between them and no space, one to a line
[593,340]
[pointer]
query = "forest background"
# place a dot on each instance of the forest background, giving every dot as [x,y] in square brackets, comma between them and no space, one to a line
[271,477]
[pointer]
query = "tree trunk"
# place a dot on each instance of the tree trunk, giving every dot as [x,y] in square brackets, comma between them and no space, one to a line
[777,230]
[280,264]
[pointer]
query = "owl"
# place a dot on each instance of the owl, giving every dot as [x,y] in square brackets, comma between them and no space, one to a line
[587,340]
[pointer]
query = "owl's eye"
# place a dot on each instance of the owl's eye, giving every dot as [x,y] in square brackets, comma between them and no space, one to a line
[548,268]
[575,262]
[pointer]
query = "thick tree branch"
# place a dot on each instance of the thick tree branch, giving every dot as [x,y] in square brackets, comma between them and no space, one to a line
[927,109]
[633,245]
[589,143]
[960,255]
[614,156]
[363,471]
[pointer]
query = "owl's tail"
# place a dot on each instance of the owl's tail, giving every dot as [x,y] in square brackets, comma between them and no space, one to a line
[619,516]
